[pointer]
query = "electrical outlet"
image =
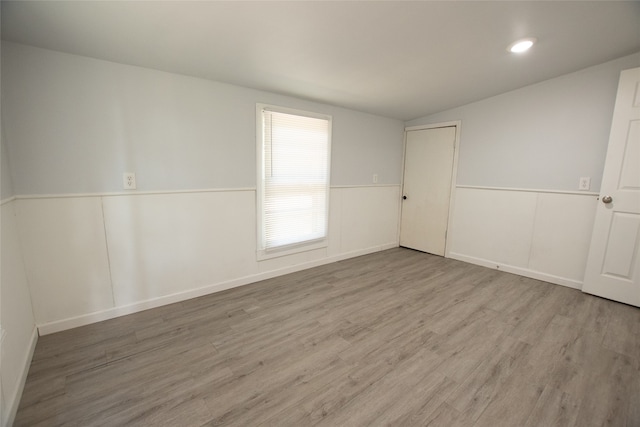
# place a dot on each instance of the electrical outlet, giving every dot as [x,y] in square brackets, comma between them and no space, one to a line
[585,183]
[129,181]
[375,178]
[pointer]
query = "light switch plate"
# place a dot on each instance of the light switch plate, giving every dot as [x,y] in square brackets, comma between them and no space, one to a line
[585,183]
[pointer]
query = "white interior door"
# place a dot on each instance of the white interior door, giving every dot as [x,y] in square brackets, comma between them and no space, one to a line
[613,266]
[428,167]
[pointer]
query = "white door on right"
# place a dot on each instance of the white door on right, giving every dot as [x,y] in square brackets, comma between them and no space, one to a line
[613,266]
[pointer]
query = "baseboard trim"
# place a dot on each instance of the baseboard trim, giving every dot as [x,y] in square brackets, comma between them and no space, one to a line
[14,401]
[557,280]
[99,316]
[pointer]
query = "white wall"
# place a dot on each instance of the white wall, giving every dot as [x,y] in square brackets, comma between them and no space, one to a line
[93,251]
[543,136]
[75,124]
[18,335]
[536,234]
[96,257]
[6,187]
[522,153]
[16,316]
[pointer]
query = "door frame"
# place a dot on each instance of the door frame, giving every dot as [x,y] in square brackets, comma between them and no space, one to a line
[457,124]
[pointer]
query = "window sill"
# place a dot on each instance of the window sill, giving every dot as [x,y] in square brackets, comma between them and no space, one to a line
[291,250]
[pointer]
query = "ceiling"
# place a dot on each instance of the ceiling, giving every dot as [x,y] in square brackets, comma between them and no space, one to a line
[396,59]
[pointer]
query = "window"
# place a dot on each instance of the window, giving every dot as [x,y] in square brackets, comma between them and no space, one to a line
[293,150]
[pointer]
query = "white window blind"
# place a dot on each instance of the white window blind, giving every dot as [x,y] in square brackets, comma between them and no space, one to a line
[294,179]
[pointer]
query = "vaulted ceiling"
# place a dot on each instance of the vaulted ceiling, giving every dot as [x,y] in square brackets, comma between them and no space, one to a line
[396,59]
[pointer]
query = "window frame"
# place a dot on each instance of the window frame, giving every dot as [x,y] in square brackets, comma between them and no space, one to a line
[294,248]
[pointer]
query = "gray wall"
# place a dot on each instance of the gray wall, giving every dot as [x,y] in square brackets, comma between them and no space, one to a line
[544,136]
[6,187]
[75,124]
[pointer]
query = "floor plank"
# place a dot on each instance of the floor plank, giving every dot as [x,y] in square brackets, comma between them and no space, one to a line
[397,337]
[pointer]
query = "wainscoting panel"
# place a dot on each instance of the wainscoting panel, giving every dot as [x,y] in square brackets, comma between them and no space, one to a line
[19,333]
[539,234]
[562,234]
[163,244]
[94,257]
[65,256]
[493,225]
[368,217]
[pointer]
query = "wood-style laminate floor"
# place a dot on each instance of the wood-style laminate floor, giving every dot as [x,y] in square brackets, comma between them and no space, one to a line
[393,338]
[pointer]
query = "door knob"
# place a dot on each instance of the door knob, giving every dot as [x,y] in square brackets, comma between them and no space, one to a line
[607,199]
[404,197]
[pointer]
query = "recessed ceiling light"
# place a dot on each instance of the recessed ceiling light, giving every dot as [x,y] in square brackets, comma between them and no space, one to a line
[521,45]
